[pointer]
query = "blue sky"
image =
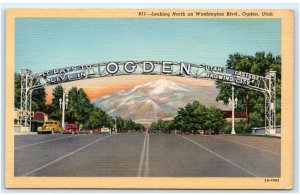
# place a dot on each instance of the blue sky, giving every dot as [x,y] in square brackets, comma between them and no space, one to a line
[43,44]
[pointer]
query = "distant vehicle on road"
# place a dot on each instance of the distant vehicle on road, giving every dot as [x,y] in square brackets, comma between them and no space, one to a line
[104,130]
[201,132]
[100,130]
[85,131]
[51,126]
[71,128]
[96,131]
[209,132]
[179,132]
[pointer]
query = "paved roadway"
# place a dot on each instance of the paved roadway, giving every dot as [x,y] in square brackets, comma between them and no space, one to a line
[147,155]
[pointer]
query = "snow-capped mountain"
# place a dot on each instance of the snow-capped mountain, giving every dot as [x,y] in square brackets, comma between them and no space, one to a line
[156,100]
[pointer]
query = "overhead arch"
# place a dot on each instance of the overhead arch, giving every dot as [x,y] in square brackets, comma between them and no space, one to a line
[264,84]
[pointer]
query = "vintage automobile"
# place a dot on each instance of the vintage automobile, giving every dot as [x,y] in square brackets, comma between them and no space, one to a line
[201,132]
[96,131]
[100,130]
[51,126]
[71,128]
[209,132]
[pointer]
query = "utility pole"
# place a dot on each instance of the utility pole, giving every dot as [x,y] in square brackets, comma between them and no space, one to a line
[63,103]
[233,102]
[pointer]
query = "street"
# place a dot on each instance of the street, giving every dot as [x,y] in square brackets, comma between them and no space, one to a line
[146,155]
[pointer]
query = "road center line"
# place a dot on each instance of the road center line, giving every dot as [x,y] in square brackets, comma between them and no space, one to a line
[227,160]
[62,157]
[142,157]
[248,145]
[146,173]
[24,146]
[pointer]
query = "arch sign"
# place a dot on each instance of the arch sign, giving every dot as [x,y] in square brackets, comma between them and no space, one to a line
[264,84]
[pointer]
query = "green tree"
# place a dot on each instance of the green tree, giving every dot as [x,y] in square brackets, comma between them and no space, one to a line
[54,110]
[72,113]
[164,126]
[129,124]
[255,119]
[84,106]
[79,106]
[139,127]
[250,101]
[96,119]
[214,119]
[109,121]
[17,90]
[154,127]
[191,118]
[38,102]
[120,123]
[195,116]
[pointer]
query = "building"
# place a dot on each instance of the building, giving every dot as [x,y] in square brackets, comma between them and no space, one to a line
[37,120]
[228,115]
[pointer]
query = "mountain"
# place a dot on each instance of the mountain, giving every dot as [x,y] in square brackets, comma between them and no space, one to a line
[156,100]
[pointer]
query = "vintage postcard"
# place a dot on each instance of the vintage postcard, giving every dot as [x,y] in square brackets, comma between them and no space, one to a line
[149,98]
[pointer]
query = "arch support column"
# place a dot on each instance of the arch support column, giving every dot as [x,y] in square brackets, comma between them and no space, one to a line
[26,84]
[270,103]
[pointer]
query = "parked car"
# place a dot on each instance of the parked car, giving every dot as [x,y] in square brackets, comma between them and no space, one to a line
[201,132]
[209,132]
[71,128]
[96,131]
[179,132]
[104,130]
[100,130]
[85,131]
[51,126]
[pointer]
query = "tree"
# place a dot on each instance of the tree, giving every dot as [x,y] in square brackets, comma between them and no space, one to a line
[255,120]
[123,124]
[162,126]
[139,127]
[251,101]
[72,113]
[17,90]
[96,119]
[54,110]
[109,121]
[214,119]
[79,106]
[154,127]
[190,118]
[120,123]
[129,124]
[38,102]
[84,107]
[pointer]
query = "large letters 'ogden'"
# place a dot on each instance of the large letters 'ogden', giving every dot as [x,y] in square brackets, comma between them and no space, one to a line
[145,67]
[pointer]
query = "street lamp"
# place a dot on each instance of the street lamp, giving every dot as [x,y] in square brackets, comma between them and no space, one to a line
[233,102]
[63,104]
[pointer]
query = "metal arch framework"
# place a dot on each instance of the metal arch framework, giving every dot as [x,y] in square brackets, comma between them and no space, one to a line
[264,84]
